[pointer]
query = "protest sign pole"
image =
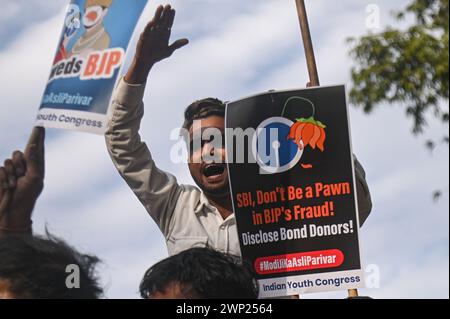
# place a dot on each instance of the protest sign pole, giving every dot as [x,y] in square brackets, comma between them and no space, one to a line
[307,42]
[312,66]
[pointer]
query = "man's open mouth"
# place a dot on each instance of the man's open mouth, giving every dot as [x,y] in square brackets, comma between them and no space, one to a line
[212,171]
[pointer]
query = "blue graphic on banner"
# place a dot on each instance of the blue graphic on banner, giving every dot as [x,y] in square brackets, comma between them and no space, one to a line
[273,151]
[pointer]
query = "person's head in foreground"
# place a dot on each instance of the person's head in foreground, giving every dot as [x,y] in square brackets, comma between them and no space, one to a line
[199,273]
[34,267]
[204,120]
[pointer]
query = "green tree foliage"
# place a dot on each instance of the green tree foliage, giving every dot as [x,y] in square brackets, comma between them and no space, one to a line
[407,67]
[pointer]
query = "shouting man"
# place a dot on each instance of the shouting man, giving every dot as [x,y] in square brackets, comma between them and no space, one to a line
[187,216]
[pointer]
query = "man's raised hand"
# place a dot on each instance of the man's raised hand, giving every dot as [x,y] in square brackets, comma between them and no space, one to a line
[21,182]
[153,45]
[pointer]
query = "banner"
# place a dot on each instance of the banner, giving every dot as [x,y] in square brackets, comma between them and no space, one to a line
[88,61]
[291,173]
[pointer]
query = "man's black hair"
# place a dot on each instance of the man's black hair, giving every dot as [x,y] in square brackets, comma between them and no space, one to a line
[202,109]
[202,273]
[34,267]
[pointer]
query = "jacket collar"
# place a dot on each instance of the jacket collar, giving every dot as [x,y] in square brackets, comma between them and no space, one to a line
[204,206]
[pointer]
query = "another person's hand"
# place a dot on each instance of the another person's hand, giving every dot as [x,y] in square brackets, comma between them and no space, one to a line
[21,183]
[153,45]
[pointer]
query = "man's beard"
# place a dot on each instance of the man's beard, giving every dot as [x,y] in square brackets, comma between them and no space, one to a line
[216,192]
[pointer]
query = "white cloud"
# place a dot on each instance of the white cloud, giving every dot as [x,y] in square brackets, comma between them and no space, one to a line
[9,9]
[27,62]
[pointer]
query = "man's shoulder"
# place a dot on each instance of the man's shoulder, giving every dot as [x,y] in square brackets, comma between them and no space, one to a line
[188,204]
[190,188]
[190,192]
[191,198]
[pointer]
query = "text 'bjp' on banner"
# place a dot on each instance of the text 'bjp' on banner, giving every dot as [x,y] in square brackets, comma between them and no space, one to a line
[294,191]
[87,64]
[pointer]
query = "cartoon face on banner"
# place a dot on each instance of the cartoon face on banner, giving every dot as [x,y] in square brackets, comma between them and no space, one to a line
[94,37]
[279,143]
[94,15]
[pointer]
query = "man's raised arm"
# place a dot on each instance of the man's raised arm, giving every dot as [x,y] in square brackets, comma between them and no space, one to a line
[156,189]
[153,45]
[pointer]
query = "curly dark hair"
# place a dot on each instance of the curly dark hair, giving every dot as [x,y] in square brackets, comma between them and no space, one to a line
[201,109]
[34,267]
[202,273]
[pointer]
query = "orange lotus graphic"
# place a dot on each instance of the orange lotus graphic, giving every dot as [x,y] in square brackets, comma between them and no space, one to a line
[307,131]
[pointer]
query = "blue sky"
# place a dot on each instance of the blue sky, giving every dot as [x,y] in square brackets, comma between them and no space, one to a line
[237,48]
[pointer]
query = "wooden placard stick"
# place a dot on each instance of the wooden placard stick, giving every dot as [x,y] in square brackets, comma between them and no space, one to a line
[307,43]
[312,66]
